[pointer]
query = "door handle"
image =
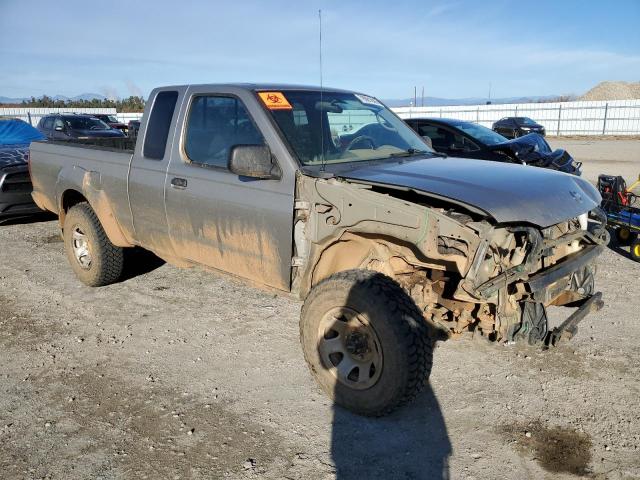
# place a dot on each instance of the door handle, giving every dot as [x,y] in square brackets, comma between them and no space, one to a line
[180,183]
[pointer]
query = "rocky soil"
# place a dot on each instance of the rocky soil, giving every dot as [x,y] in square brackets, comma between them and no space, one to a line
[191,374]
[613,91]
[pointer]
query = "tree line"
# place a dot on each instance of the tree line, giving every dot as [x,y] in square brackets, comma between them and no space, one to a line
[131,104]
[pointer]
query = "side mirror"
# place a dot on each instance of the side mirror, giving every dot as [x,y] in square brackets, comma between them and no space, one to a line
[59,128]
[253,161]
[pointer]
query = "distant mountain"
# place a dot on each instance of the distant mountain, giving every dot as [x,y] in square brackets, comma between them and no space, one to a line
[445,102]
[11,100]
[89,96]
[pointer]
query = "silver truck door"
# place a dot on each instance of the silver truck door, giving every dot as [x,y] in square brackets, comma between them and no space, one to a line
[237,225]
[149,169]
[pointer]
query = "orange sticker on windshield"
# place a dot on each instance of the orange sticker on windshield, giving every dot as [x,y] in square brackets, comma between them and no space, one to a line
[275,101]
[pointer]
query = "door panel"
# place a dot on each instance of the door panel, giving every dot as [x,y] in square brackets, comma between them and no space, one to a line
[238,225]
[149,170]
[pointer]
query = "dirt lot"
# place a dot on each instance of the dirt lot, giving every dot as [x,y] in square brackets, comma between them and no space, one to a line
[618,157]
[190,374]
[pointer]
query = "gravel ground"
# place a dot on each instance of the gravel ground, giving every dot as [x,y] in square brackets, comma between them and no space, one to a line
[190,374]
[613,91]
[615,157]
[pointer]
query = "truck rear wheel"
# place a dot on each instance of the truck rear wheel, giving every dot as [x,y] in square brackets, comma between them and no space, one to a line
[366,342]
[93,258]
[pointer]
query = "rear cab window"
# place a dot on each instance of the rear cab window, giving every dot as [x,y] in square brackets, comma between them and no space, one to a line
[216,124]
[155,140]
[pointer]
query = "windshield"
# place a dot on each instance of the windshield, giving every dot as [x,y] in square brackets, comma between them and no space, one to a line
[483,134]
[85,123]
[112,119]
[525,121]
[337,127]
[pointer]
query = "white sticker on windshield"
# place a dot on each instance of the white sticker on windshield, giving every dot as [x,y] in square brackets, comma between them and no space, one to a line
[368,99]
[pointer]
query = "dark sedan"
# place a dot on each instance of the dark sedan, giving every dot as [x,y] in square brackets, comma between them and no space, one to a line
[111,120]
[76,127]
[514,127]
[465,139]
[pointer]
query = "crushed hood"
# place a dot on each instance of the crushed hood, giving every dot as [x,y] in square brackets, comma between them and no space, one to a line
[533,149]
[506,192]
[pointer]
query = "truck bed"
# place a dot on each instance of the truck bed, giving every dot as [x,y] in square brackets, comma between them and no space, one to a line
[99,168]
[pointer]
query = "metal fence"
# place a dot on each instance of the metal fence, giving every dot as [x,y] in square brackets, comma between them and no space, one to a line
[33,115]
[617,117]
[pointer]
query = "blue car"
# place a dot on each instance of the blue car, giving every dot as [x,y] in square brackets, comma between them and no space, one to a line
[15,182]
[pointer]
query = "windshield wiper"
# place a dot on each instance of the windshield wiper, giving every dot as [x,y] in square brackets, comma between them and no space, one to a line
[410,152]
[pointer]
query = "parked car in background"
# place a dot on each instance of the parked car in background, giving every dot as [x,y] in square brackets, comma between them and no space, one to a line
[470,140]
[15,184]
[68,126]
[134,128]
[112,121]
[514,127]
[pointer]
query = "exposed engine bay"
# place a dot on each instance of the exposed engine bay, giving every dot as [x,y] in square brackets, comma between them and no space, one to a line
[464,271]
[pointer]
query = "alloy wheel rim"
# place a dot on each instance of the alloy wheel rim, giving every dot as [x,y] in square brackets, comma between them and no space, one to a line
[350,348]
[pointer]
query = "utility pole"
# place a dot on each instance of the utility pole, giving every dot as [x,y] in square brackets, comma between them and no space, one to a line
[422,102]
[415,96]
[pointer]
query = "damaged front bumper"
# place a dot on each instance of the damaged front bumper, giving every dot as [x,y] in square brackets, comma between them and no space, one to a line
[545,277]
[567,329]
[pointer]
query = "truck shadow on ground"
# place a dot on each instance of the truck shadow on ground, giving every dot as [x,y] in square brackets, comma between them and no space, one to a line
[410,443]
[23,220]
[138,261]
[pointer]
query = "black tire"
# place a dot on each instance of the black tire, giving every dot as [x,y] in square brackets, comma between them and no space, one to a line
[624,236]
[405,340]
[106,261]
[635,249]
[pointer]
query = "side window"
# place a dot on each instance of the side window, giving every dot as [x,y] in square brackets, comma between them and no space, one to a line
[440,138]
[155,140]
[428,131]
[216,125]
[468,145]
[47,123]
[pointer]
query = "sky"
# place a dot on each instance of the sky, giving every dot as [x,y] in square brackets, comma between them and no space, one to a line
[454,49]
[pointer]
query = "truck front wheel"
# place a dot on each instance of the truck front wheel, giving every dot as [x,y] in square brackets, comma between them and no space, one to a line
[366,342]
[93,258]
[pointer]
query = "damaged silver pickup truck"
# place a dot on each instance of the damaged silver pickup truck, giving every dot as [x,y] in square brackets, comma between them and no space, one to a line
[328,195]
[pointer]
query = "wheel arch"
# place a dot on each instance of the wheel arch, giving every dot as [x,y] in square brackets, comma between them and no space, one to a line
[99,204]
[387,255]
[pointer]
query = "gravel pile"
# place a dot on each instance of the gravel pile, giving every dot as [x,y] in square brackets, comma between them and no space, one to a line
[613,91]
